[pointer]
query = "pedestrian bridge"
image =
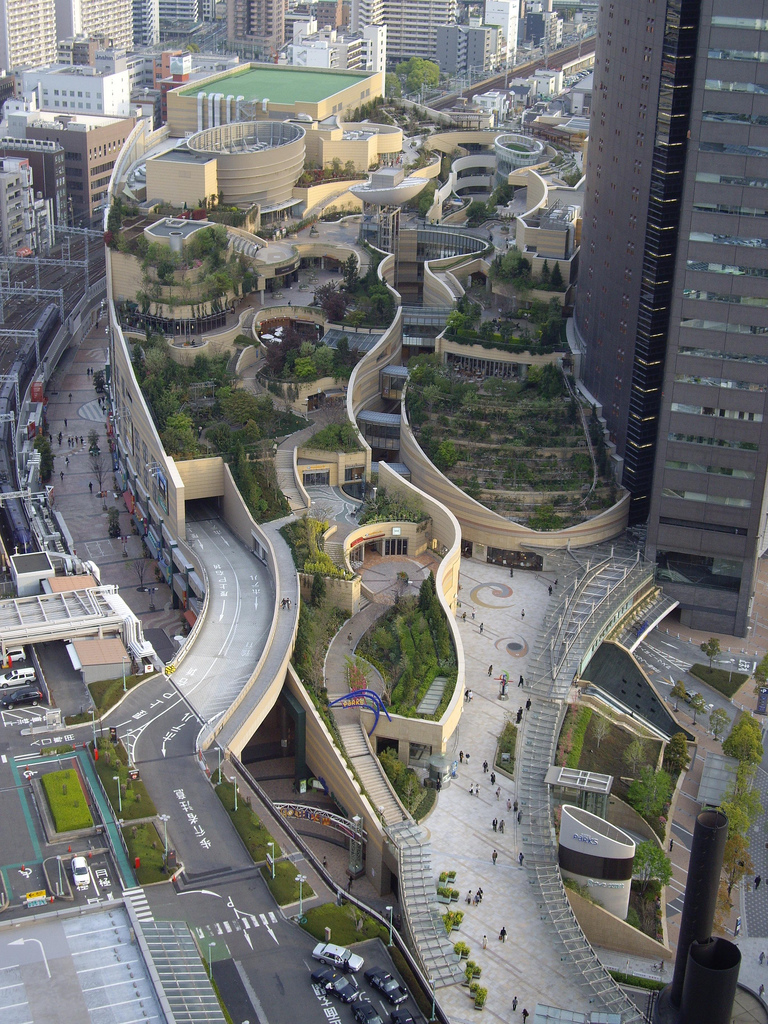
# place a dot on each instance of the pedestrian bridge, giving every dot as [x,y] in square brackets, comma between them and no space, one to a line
[97,612]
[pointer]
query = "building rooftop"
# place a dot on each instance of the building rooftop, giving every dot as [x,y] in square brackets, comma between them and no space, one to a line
[279,83]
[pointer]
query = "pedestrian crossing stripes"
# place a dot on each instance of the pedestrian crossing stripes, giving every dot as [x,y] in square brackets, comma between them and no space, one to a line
[241,924]
[91,411]
[140,904]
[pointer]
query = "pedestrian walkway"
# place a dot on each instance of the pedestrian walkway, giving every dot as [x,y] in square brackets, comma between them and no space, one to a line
[138,900]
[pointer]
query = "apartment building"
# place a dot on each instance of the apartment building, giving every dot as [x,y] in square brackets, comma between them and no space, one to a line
[110,20]
[505,14]
[146,22]
[46,160]
[26,222]
[475,46]
[328,48]
[412,25]
[27,33]
[259,24]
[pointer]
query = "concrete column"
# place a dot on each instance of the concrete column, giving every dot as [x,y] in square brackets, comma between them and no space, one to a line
[403,750]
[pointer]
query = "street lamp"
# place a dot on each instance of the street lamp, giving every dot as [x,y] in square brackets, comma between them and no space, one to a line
[273,859]
[165,818]
[390,924]
[433,1001]
[301,879]
[210,959]
[93,724]
[124,659]
[119,794]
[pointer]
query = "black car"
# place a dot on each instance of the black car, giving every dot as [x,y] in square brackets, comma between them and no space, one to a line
[337,984]
[402,1017]
[21,695]
[389,987]
[366,1013]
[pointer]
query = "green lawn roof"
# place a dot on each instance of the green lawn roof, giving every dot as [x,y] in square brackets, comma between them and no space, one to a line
[279,84]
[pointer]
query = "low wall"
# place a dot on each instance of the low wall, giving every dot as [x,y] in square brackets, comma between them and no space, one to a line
[603,929]
[336,463]
[444,346]
[344,594]
[625,817]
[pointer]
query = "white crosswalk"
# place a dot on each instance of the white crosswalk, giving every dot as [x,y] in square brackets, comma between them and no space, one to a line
[91,411]
[140,904]
[240,924]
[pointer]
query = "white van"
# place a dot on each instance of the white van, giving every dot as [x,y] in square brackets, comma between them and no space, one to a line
[14,655]
[17,677]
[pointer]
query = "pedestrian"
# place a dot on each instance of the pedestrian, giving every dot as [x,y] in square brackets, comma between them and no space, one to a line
[521,681]
[473,615]
[550,590]
[67,460]
[325,863]
[90,486]
[509,805]
[481,628]
[525,1015]
[477,790]
[81,439]
[498,792]
[349,638]
[471,695]
[555,582]
[758,880]
[522,614]
[70,396]
[514,1003]
[495,823]
[471,789]
[61,476]
[464,617]
[493,778]
[515,806]
[761,958]
[528,704]
[494,856]
[485,942]
[501,826]
[466,756]
[485,767]
[65,424]
[519,819]
[349,884]
[461,757]
[469,897]
[490,670]
[761,990]
[503,934]
[671,843]
[520,858]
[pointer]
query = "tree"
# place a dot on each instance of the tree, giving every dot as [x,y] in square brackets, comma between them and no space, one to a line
[736,861]
[99,469]
[139,569]
[446,456]
[602,727]
[711,648]
[741,803]
[93,441]
[744,741]
[418,72]
[179,437]
[635,755]
[679,691]
[99,382]
[349,270]
[650,792]
[718,722]
[392,87]
[113,522]
[332,302]
[556,278]
[676,757]
[698,704]
[318,589]
[651,862]
[43,446]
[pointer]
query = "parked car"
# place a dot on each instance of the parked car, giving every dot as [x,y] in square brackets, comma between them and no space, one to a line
[17,677]
[80,873]
[337,984]
[389,986]
[402,1016]
[366,1013]
[21,695]
[14,655]
[337,956]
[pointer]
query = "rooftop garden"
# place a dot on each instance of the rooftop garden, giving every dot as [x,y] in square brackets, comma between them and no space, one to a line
[199,411]
[411,645]
[314,175]
[391,508]
[545,334]
[305,539]
[336,437]
[359,301]
[289,355]
[516,446]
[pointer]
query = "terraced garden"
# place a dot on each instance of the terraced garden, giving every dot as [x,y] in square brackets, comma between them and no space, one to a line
[519,447]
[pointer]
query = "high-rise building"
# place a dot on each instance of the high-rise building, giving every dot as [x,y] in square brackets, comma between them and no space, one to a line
[26,222]
[475,46]
[27,33]
[146,22]
[46,160]
[259,24]
[180,12]
[672,305]
[412,25]
[111,20]
[505,14]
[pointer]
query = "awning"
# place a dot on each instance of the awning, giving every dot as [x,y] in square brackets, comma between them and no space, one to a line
[128,499]
[190,617]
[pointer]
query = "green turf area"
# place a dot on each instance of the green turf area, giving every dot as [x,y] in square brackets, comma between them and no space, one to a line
[284,886]
[136,801]
[249,825]
[144,842]
[66,800]
[279,84]
[719,678]
[343,922]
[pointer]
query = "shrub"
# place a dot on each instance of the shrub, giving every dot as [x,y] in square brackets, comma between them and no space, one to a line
[66,800]
[579,732]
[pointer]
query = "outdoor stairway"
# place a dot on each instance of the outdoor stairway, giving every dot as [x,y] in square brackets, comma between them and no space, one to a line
[286,480]
[370,772]
[431,699]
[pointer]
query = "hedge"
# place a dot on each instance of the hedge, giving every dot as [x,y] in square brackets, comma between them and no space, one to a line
[66,800]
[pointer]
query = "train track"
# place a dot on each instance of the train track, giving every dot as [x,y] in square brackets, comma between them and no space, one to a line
[555,60]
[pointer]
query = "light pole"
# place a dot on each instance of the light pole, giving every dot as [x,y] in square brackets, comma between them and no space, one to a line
[119,795]
[235,782]
[301,879]
[433,1000]
[273,859]
[165,818]
[124,659]
[93,724]
[219,749]
[210,959]
[390,924]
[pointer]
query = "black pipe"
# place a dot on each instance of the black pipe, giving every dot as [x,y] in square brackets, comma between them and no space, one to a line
[710,982]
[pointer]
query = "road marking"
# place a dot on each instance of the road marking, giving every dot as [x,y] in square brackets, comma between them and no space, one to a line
[4,759]
[272,918]
[246,923]
[219,930]
[248,939]
[227,926]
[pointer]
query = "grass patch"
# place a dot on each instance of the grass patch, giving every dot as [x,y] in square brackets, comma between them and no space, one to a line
[607,755]
[66,800]
[136,801]
[719,679]
[336,437]
[215,987]
[632,979]
[506,745]
[144,842]
[105,694]
[424,804]
[423,1002]
[284,886]
[249,826]
[344,924]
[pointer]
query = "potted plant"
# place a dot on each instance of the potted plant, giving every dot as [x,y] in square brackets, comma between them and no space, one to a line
[458,917]
[469,972]
[481,994]
[462,950]
[450,877]
[443,877]
[454,895]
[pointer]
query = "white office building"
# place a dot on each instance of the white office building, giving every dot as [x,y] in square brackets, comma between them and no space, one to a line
[78,89]
[329,48]
[180,11]
[26,222]
[505,14]
[412,25]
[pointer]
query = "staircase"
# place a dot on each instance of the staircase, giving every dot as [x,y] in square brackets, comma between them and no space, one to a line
[370,772]
[286,480]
